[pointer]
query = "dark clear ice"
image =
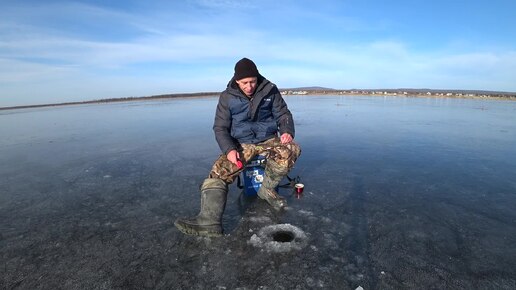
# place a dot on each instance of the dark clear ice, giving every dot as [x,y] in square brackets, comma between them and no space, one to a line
[400,193]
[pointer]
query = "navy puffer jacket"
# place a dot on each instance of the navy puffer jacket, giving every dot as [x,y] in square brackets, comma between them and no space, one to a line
[240,120]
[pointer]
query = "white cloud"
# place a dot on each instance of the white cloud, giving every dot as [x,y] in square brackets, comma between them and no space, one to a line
[14,71]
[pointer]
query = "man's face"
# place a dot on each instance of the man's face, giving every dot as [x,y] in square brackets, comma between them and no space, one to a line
[248,85]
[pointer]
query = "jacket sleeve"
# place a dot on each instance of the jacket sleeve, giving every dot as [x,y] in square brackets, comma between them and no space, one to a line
[282,115]
[222,126]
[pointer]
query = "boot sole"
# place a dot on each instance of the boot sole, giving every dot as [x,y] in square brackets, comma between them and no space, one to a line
[199,230]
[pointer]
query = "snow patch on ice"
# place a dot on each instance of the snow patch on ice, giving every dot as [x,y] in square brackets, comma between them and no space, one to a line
[326,220]
[306,212]
[260,219]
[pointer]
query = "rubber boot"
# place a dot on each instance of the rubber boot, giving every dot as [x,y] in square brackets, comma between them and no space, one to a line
[272,177]
[209,220]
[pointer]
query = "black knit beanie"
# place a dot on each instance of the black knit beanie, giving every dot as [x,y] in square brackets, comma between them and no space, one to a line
[245,68]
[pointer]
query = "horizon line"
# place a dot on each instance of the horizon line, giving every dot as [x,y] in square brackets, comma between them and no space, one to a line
[311,89]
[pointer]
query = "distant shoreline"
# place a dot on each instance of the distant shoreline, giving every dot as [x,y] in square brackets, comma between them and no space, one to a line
[453,94]
[114,100]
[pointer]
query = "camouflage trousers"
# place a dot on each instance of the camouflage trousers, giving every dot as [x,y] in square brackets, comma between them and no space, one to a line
[285,155]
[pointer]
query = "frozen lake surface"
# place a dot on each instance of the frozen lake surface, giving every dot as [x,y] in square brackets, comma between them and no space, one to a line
[400,193]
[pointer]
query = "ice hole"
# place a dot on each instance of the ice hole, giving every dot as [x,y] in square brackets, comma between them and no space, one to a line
[283,236]
[279,238]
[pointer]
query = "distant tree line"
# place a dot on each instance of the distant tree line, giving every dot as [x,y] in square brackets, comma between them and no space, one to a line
[111,100]
[302,91]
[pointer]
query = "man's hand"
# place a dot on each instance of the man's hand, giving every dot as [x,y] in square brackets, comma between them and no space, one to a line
[233,156]
[286,138]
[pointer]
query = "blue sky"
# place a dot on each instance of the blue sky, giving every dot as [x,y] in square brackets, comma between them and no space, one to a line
[58,51]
